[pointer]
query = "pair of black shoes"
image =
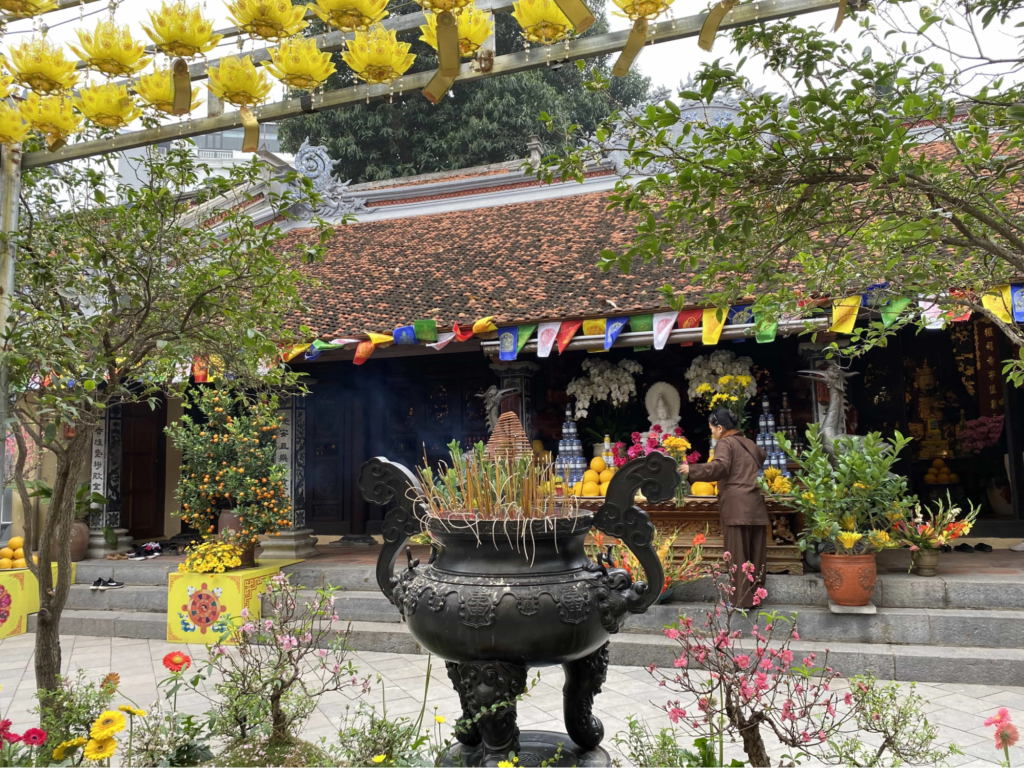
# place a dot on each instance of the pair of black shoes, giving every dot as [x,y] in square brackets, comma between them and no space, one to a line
[104,584]
[145,552]
[982,547]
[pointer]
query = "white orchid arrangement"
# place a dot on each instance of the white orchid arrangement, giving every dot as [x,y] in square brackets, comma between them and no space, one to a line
[603,381]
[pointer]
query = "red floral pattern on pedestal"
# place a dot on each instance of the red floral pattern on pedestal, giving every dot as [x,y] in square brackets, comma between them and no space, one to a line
[5,605]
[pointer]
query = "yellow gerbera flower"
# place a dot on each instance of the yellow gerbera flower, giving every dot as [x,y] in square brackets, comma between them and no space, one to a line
[132,710]
[379,758]
[63,748]
[439,719]
[100,749]
[106,725]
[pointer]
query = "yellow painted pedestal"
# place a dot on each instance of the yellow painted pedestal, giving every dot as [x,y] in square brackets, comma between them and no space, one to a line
[202,607]
[19,597]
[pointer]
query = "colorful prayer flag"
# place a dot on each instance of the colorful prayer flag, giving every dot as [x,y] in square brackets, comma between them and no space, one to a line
[664,322]
[405,335]
[740,315]
[1017,302]
[508,342]
[313,352]
[714,320]
[689,318]
[546,338]
[461,335]
[200,369]
[844,314]
[485,325]
[566,332]
[961,315]
[932,313]
[612,330]
[443,340]
[363,352]
[641,323]
[381,339]
[525,332]
[999,302]
[766,333]
[892,310]
[595,328]
[342,342]
[426,330]
[294,352]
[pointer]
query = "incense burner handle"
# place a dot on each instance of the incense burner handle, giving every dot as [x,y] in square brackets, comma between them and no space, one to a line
[382,481]
[657,477]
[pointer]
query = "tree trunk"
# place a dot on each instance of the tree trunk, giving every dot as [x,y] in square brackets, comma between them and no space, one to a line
[750,732]
[277,720]
[55,547]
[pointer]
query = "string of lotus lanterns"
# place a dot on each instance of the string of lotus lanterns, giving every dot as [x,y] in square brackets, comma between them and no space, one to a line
[160,85]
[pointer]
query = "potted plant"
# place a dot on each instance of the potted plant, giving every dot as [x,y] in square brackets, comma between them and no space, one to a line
[511,586]
[679,570]
[927,531]
[849,506]
[230,480]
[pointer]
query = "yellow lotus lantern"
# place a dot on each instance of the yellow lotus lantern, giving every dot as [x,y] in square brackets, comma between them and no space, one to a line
[111,49]
[42,67]
[13,128]
[6,87]
[238,82]
[178,30]
[52,116]
[542,21]
[155,90]
[300,64]
[350,15]
[268,19]
[26,8]
[642,9]
[475,26]
[376,56]
[108,105]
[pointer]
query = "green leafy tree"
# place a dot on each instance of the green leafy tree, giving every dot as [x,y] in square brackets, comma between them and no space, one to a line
[477,123]
[892,167]
[117,290]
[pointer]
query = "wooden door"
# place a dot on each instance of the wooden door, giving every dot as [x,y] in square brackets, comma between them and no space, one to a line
[143,469]
[335,450]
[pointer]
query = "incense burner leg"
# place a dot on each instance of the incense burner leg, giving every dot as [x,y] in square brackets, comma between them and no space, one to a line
[489,689]
[583,680]
[470,736]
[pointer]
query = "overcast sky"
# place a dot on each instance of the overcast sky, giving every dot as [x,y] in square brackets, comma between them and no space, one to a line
[667,64]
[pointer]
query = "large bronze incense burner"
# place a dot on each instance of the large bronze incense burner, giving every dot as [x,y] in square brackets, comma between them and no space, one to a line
[499,597]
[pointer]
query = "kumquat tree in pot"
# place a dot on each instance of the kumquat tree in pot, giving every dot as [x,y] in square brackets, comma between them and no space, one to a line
[850,504]
[231,486]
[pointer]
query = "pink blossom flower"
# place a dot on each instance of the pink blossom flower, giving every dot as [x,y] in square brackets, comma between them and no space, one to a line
[675,713]
[761,681]
[322,653]
[760,595]
[805,737]
[742,661]
[672,633]
[248,627]
[786,655]
[680,662]
[830,708]
[245,613]
[747,691]
[796,635]
[821,735]
[787,711]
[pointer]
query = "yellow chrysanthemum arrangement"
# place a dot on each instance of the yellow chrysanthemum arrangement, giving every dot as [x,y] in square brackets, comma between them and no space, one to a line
[475,26]
[211,556]
[774,482]
[377,56]
[42,67]
[52,116]
[271,20]
[108,105]
[300,64]
[542,21]
[111,50]
[350,15]
[157,90]
[13,129]
[178,30]
[238,82]
[27,8]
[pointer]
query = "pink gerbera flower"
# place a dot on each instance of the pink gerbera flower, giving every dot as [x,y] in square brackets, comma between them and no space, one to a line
[34,737]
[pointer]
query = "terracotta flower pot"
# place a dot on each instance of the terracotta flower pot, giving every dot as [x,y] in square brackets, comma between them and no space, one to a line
[849,579]
[79,540]
[926,561]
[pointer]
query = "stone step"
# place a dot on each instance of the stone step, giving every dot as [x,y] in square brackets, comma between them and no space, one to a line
[923,663]
[134,573]
[151,599]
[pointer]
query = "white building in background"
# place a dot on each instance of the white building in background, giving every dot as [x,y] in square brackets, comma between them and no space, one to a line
[220,151]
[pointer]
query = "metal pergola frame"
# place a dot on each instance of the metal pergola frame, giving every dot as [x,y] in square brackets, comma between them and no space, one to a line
[12,161]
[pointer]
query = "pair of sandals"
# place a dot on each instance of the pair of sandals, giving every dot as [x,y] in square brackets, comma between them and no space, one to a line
[976,548]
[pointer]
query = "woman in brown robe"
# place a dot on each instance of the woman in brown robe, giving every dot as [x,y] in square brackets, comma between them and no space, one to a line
[736,467]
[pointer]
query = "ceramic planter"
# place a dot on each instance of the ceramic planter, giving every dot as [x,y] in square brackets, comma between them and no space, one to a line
[228,520]
[499,598]
[926,561]
[79,540]
[849,579]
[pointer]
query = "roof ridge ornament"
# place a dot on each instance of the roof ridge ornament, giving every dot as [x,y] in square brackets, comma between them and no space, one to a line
[316,164]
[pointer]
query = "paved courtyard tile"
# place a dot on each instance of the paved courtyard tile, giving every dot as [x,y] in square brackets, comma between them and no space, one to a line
[959,710]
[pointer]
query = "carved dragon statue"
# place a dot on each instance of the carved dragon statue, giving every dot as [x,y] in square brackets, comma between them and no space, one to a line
[834,424]
[493,397]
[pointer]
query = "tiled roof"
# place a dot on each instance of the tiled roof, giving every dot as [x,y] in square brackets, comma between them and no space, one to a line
[520,262]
